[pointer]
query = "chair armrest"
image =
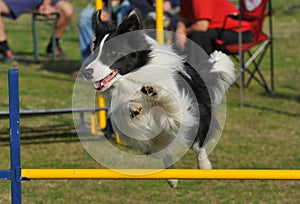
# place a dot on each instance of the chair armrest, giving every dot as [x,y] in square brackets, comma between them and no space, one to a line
[236,16]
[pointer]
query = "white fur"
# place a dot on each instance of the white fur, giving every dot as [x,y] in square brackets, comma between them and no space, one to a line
[104,71]
[160,72]
[224,67]
[171,113]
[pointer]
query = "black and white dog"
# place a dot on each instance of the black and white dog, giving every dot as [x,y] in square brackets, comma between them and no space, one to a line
[136,74]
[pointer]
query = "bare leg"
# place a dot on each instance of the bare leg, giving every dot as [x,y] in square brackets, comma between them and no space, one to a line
[3,9]
[65,15]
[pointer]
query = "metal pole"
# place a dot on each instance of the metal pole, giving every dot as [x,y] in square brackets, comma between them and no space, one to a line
[53,39]
[35,37]
[15,154]
[271,46]
[159,21]
[100,98]
[215,174]
[241,58]
[102,113]
[98,4]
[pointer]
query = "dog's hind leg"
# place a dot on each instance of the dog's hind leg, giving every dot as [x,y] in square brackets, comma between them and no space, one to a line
[202,157]
[167,161]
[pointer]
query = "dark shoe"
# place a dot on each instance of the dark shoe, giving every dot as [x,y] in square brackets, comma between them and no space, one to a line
[58,52]
[7,56]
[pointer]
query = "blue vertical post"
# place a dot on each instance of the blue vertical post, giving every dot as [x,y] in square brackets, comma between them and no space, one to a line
[15,153]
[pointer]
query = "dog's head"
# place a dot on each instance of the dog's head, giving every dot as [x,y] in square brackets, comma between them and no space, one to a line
[115,56]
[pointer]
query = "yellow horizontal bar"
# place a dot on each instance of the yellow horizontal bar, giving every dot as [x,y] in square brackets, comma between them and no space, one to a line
[230,174]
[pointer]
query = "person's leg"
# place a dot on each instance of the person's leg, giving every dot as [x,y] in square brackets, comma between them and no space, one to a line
[232,37]
[4,48]
[124,10]
[204,39]
[65,15]
[65,9]
[144,7]
[196,55]
[3,10]
[86,32]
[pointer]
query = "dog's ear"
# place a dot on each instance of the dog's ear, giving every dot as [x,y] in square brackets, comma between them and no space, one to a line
[101,28]
[98,24]
[131,23]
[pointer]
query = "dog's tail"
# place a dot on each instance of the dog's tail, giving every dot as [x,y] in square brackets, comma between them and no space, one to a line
[220,76]
[224,66]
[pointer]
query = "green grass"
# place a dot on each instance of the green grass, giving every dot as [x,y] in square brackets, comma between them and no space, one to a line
[264,134]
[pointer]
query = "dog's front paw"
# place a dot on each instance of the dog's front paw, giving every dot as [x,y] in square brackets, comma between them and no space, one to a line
[134,109]
[149,90]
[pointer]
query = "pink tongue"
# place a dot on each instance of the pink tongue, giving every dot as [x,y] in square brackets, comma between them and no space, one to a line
[107,79]
[104,82]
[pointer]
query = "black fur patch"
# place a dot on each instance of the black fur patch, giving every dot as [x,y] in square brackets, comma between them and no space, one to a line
[125,54]
[204,103]
[101,28]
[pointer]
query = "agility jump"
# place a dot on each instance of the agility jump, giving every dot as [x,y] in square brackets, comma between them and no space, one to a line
[16,174]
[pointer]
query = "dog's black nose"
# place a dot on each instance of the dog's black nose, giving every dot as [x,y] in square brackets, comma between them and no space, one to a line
[88,73]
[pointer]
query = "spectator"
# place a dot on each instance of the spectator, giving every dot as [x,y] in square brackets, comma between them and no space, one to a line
[86,31]
[119,9]
[147,8]
[144,6]
[171,12]
[13,9]
[202,21]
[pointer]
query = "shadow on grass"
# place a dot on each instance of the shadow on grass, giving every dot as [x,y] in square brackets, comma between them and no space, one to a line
[269,109]
[292,9]
[61,66]
[62,133]
[65,66]
[284,96]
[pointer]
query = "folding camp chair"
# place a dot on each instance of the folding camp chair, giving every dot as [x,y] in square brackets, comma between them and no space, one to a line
[254,12]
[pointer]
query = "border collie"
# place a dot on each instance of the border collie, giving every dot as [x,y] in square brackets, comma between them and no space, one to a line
[153,95]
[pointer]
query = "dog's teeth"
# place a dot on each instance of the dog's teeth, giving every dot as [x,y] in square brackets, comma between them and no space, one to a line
[103,83]
[97,85]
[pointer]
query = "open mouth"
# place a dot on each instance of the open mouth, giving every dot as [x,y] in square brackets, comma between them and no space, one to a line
[103,83]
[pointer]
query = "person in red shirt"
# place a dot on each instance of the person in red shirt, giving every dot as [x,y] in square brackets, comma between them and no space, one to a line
[204,21]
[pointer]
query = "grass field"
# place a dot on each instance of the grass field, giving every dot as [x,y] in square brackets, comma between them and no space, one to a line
[264,134]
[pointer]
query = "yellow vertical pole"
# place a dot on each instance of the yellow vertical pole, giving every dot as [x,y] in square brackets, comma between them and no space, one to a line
[118,139]
[101,113]
[98,4]
[159,21]
[93,124]
[100,99]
